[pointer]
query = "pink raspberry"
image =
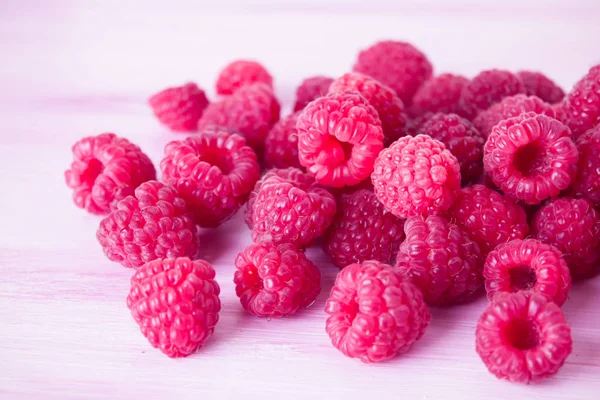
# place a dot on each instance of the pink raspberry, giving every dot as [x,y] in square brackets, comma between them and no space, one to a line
[213,171]
[242,73]
[582,104]
[441,260]
[573,227]
[374,314]
[281,144]
[179,107]
[531,157]
[416,176]
[106,169]
[538,84]
[440,94]
[176,304]
[311,89]
[363,230]
[523,337]
[399,65]
[153,224]
[587,182]
[528,265]
[389,107]
[275,280]
[339,137]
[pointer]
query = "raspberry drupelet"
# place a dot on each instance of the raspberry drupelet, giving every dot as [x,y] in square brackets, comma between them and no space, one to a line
[523,337]
[538,84]
[587,181]
[275,280]
[374,314]
[581,107]
[152,224]
[213,171]
[176,304]
[281,144]
[311,89]
[179,107]
[106,169]
[339,137]
[241,73]
[440,94]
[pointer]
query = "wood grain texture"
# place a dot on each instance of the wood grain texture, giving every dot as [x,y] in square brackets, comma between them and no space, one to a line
[71,69]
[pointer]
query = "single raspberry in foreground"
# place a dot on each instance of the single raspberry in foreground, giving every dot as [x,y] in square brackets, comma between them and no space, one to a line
[311,89]
[581,107]
[241,73]
[587,181]
[179,107]
[538,84]
[440,94]
[281,144]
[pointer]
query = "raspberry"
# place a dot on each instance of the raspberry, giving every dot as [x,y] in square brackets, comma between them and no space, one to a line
[176,304]
[363,230]
[152,224]
[213,171]
[488,217]
[538,84]
[573,227]
[389,107]
[416,176]
[339,137]
[374,314]
[281,144]
[179,107]
[440,94]
[523,337]
[531,157]
[399,65]
[441,260]
[488,88]
[251,111]
[242,73]
[528,265]
[462,139]
[587,182]
[311,89]
[106,169]
[275,280]
[582,104]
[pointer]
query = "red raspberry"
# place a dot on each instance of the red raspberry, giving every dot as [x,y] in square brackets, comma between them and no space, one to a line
[151,225]
[339,137]
[242,73]
[275,280]
[488,88]
[281,144]
[582,104]
[462,139]
[488,217]
[440,94]
[214,172]
[523,337]
[399,65]
[538,84]
[528,265]
[573,227]
[251,111]
[374,314]
[179,107]
[363,230]
[441,260]
[587,182]
[531,157]
[389,107]
[106,169]
[416,176]
[311,89]
[176,304]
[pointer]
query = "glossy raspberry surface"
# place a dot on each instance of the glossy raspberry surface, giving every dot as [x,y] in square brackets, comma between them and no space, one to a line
[281,144]
[241,73]
[179,107]
[582,105]
[311,89]
[538,84]
[440,94]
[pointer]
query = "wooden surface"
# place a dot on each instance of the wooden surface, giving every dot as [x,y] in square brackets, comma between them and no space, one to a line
[71,69]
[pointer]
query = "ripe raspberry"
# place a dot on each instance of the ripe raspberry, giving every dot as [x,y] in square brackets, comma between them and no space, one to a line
[462,139]
[242,73]
[389,107]
[488,217]
[311,89]
[416,176]
[363,230]
[213,171]
[582,104]
[275,280]
[587,182]
[179,107]
[281,144]
[538,84]
[152,224]
[523,337]
[528,265]
[374,314]
[106,169]
[531,157]
[251,111]
[339,137]
[440,94]
[441,260]
[488,88]
[175,303]
[573,227]
[399,65]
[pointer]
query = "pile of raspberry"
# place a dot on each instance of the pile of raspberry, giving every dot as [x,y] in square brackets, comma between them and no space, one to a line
[425,190]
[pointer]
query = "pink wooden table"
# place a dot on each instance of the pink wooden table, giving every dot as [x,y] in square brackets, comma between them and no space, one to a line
[72,68]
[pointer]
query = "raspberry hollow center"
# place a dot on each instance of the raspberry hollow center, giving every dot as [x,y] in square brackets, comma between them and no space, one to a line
[218,160]
[530,159]
[522,277]
[94,168]
[522,334]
